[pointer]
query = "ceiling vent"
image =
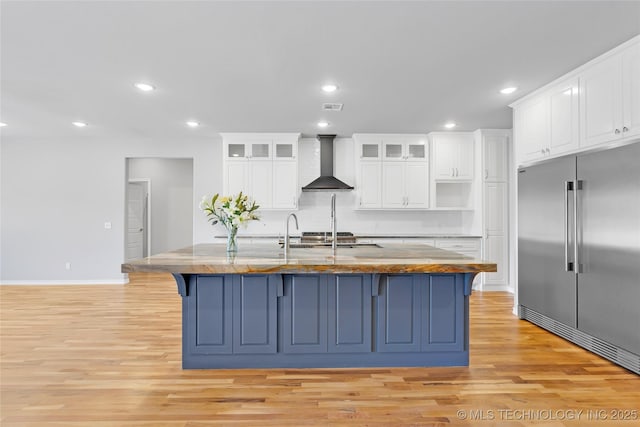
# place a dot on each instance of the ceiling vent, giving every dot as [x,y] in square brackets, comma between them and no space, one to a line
[332,107]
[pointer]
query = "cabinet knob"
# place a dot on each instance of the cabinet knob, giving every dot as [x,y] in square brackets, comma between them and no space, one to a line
[617,131]
[542,151]
[625,129]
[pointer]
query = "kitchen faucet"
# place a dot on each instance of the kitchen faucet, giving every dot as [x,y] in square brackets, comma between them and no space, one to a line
[334,233]
[286,236]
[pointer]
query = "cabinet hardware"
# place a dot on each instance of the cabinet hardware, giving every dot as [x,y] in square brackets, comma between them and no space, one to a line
[617,131]
[568,186]
[486,174]
[577,224]
[625,129]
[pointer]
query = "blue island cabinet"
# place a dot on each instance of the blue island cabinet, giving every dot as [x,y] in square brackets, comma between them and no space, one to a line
[324,320]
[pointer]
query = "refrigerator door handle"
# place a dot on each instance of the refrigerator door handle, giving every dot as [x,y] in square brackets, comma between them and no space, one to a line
[568,265]
[577,219]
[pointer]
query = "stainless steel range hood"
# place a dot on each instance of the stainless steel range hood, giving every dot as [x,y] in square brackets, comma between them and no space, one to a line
[326,181]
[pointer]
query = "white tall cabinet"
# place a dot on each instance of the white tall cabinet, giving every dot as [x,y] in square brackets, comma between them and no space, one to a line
[494,146]
[263,166]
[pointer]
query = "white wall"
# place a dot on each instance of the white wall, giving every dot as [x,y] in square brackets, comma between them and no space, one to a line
[57,194]
[171,200]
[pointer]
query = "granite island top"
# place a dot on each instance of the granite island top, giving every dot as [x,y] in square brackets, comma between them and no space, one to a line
[270,258]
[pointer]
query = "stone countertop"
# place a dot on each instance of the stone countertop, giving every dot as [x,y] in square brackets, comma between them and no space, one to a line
[270,258]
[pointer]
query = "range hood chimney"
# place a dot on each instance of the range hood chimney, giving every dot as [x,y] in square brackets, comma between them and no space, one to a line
[326,181]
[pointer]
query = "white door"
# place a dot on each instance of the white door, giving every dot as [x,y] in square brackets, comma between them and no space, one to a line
[370,184]
[236,177]
[496,251]
[445,152]
[393,195]
[495,210]
[563,117]
[137,199]
[417,185]
[532,129]
[261,183]
[285,186]
[601,103]
[495,158]
[465,156]
[631,92]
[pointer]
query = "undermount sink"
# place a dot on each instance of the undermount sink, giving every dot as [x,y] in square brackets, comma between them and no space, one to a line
[328,245]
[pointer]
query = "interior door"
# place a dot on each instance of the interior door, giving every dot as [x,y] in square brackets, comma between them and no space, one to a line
[136,203]
[544,285]
[609,284]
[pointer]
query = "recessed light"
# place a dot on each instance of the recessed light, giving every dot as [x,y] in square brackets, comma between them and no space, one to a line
[323,124]
[193,124]
[450,125]
[145,87]
[508,90]
[329,88]
[79,124]
[2,124]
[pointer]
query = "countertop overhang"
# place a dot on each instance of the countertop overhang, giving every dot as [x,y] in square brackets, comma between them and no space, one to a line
[270,258]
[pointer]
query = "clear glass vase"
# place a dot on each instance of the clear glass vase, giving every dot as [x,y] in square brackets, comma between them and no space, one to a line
[232,242]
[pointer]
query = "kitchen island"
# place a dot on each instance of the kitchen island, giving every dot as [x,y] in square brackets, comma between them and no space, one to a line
[364,305]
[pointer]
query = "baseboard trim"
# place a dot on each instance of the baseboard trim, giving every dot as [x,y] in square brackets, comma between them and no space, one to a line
[497,288]
[64,282]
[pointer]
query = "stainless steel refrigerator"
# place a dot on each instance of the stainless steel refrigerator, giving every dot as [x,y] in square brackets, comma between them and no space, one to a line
[579,250]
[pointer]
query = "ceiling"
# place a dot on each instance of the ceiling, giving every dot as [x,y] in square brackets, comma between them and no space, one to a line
[401,67]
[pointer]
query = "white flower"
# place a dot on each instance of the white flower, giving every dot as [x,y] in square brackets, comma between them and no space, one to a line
[204,201]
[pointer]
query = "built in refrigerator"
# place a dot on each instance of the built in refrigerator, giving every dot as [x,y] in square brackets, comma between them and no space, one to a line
[579,250]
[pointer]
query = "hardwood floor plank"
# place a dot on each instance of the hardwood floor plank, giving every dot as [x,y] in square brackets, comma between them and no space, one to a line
[111,356]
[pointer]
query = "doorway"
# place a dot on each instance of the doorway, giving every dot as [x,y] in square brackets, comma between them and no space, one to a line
[159,205]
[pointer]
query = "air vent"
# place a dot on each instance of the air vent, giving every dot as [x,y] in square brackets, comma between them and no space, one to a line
[332,107]
[608,351]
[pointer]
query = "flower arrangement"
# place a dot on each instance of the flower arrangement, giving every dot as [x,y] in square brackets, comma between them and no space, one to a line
[232,212]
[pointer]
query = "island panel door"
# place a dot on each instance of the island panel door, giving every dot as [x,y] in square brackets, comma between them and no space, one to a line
[349,313]
[443,313]
[209,315]
[304,313]
[255,314]
[398,310]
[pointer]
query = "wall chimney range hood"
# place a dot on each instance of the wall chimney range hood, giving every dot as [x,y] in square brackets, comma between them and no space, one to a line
[326,181]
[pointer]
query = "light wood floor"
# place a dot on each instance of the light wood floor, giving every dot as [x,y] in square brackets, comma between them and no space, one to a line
[110,356]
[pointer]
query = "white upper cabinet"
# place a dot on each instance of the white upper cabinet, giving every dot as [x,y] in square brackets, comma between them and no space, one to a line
[263,166]
[631,92]
[399,149]
[610,98]
[595,104]
[369,184]
[453,154]
[531,128]
[563,117]
[392,171]
[494,157]
[601,102]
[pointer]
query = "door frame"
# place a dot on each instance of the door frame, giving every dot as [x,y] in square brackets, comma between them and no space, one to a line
[146,181]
